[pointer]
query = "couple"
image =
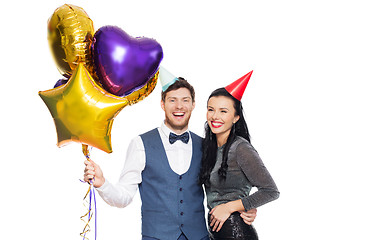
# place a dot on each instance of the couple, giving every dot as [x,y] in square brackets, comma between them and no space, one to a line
[170,164]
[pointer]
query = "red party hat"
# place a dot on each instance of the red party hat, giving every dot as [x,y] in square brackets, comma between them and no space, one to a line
[237,88]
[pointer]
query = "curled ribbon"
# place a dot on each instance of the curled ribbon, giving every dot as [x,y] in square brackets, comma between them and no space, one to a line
[86,218]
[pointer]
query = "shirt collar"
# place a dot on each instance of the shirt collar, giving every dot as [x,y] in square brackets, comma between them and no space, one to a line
[166,130]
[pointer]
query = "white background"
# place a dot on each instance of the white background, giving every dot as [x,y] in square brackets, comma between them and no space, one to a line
[305,106]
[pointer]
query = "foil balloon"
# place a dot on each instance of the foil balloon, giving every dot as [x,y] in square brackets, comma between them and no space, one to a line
[82,111]
[60,82]
[70,36]
[123,63]
[143,92]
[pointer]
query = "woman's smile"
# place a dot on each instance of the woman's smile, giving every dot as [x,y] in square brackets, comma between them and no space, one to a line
[216,124]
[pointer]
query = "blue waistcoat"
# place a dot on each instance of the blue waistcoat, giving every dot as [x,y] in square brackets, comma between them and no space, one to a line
[171,204]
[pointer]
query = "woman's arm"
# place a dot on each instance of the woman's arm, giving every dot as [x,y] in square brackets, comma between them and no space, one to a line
[253,167]
[220,213]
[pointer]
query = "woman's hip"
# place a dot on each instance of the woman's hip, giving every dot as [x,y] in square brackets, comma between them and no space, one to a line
[234,228]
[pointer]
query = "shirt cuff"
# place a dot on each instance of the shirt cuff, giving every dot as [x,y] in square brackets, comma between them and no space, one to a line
[103,188]
[246,204]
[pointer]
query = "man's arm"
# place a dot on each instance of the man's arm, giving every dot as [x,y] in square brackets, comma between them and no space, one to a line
[121,193]
[249,216]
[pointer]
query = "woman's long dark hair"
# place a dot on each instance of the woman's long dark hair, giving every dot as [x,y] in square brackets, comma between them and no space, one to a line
[210,147]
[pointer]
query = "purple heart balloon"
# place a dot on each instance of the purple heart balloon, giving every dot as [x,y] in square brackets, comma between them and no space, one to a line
[124,63]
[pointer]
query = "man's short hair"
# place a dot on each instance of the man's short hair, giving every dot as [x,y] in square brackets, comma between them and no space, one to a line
[180,83]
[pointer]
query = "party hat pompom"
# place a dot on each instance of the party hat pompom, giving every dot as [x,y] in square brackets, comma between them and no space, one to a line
[237,88]
[167,78]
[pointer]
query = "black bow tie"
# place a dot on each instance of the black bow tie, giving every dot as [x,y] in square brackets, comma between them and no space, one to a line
[183,137]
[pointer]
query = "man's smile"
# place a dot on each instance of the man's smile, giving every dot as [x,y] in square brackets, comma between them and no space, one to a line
[178,114]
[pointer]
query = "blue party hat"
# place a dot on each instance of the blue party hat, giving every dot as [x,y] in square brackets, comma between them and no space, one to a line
[167,78]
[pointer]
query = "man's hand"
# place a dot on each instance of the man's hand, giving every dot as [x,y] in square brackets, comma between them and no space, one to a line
[93,174]
[249,216]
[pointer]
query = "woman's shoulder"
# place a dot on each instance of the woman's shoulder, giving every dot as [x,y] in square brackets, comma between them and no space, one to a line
[241,143]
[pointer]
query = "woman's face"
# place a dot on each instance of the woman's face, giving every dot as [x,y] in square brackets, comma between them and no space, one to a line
[221,115]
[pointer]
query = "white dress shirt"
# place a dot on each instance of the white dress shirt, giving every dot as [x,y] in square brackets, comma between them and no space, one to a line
[121,194]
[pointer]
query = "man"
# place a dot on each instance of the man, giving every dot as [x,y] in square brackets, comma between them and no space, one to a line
[164,164]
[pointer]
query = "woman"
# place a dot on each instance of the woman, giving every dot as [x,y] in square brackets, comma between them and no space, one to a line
[230,167]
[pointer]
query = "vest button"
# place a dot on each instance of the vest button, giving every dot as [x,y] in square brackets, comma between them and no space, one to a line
[181,213]
[181,201]
[181,225]
[180,177]
[180,189]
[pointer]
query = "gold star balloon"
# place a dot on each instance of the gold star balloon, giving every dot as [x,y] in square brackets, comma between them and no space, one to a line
[83,111]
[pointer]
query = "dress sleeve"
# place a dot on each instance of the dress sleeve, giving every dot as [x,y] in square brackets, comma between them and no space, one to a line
[253,167]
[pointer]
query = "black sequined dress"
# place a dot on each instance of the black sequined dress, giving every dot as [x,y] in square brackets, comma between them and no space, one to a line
[245,170]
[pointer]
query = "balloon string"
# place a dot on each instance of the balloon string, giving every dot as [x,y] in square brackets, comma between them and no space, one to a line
[92,197]
[86,228]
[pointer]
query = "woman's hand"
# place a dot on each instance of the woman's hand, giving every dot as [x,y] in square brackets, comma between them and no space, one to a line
[93,174]
[218,215]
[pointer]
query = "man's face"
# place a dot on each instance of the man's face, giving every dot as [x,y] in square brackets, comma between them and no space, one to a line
[178,106]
